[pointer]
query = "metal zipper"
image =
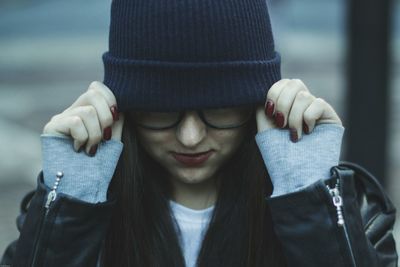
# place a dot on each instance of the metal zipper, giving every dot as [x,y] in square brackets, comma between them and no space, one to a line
[337,200]
[51,196]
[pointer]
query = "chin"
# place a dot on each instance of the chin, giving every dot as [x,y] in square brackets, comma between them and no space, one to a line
[193,175]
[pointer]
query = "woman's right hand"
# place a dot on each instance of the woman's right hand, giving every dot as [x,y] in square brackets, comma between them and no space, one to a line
[91,118]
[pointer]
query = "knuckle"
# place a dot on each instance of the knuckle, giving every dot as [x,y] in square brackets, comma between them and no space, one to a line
[298,81]
[279,82]
[295,80]
[100,90]
[94,85]
[89,111]
[274,90]
[97,96]
[299,84]
[303,95]
[296,84]
[54,118]
[93,93]
[76,121]
[320,100]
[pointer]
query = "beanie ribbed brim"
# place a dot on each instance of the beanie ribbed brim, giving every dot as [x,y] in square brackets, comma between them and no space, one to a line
[173,86]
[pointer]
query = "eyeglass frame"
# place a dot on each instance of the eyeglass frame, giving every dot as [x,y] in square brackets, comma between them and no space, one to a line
[201,116]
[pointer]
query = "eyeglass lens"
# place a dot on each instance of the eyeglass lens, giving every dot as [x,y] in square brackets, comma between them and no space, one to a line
[219,118]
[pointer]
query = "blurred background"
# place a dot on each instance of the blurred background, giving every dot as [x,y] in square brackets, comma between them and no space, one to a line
[347,52]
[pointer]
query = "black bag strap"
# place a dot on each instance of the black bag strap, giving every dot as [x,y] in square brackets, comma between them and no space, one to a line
[370,182]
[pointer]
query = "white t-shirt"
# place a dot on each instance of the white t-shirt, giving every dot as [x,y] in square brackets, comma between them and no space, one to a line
[193,225]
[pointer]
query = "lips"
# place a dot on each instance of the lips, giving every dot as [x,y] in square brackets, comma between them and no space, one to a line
[192,159]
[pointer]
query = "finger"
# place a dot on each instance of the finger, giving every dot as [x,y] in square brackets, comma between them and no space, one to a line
[108,96]
[89,116]
[329,115]
[69,126]
[104,114]
[285,101]
[97,88]
[320,112]
[272,96]
[295,121]
[96,98]
[105,91]
[78,132]
[117,127]
[263,122]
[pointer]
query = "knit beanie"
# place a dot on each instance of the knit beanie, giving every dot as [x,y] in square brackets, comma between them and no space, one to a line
[190,54]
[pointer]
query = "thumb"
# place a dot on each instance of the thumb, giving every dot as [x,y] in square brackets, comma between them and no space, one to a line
[117,127]
[263,121]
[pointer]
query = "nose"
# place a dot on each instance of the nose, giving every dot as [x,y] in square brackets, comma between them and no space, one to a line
[191,131]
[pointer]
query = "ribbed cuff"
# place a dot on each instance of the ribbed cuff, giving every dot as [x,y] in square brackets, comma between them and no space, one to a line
[293,166]
[86,178]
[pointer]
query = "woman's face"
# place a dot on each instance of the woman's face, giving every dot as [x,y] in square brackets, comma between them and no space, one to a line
[191,136]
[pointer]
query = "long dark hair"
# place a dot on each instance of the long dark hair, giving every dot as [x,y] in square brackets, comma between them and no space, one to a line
[142,231]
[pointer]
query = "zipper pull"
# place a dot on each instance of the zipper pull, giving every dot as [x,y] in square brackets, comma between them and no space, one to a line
[50,198]
[53,194]
[337,202]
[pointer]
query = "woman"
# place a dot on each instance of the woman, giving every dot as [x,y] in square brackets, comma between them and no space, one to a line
[197,167]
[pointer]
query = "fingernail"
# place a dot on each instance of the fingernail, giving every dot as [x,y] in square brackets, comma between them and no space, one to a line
[305,128]
[93,150]
[114,111]
[107,133]
[81,148]
[279,119]
[293,135]
[269,109]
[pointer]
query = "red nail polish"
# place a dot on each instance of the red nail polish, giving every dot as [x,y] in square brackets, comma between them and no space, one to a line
[269,109]
[305,128]
[93,150]
[81,148]
[107,133]
[114,111]
[293,135]
[279,119]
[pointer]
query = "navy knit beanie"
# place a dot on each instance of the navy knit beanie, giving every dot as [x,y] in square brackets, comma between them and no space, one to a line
[189,54]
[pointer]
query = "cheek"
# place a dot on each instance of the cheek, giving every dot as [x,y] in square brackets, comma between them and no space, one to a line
[229,141]
[153,143]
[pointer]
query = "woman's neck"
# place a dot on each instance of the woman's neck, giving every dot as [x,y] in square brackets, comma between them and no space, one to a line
[195,196]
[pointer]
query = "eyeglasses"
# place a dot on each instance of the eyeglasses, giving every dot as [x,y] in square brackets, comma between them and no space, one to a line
[220,118]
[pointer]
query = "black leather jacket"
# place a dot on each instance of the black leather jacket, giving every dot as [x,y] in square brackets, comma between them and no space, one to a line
[318,226]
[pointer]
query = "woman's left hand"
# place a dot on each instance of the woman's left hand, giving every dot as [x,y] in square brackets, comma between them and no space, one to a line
[289,102]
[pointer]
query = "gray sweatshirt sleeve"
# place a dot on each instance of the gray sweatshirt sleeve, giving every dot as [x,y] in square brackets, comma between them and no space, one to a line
[293,166]
[86,178]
